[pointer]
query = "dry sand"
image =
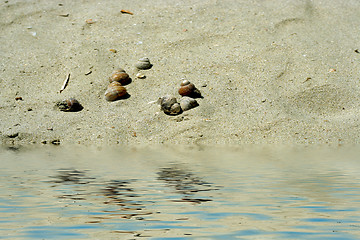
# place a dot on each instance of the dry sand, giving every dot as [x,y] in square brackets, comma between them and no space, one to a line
[273,71]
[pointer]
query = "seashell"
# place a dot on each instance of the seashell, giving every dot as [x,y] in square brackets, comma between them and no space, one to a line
[189,89]
[166,102]
[187,103]
[143,64]
[175,109]
[69,105]
[119,75]
[140,76]
[115,92]
[170,105]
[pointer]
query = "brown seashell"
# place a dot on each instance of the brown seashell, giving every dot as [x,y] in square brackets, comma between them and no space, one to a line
[115,92]
[120,76]
[69,105]
[189,89]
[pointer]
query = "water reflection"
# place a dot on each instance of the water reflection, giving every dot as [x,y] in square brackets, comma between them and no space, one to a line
[185,183]
[71,176]
[112,192]
[117,191]
[237,195]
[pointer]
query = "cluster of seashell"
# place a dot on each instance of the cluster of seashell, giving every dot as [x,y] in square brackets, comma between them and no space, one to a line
[169,104]
[116,90]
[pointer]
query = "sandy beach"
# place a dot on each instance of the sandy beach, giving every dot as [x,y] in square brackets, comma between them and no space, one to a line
[270,72]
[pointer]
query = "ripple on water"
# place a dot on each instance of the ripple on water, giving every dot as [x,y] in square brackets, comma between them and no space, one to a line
[84,195]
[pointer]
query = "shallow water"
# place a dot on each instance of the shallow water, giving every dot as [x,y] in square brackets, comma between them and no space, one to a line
[59,193]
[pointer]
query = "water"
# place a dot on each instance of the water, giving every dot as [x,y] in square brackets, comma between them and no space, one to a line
[261,193]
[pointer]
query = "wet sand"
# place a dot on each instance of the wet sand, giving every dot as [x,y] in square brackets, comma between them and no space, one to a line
[278,72]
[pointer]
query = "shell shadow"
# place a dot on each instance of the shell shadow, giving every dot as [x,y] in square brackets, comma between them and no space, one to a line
[174,114]
[76,108]
[126,96]
[127,82]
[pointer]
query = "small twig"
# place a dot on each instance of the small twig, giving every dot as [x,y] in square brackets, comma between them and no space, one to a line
[126,11]
[155,101]
[152,102]
[307,79]
[65,83]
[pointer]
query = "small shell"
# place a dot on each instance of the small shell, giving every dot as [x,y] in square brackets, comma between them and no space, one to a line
[115,92]
[120,76]
[140,76]
[187,103]
[143,64]
[189,89]
[69,105]
[170,105]
[175,109]
[89,21]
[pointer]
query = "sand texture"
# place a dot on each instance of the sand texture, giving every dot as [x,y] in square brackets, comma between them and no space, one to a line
[275,71]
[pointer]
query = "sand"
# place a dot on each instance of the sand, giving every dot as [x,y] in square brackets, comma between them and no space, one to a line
[271,72]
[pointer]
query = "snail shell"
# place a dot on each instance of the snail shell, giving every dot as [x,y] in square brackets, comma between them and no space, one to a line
[170,105]
[189,89]
[69,105]
[187,103]
[143,64]
[175,109]
[115,92]
[119,75]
